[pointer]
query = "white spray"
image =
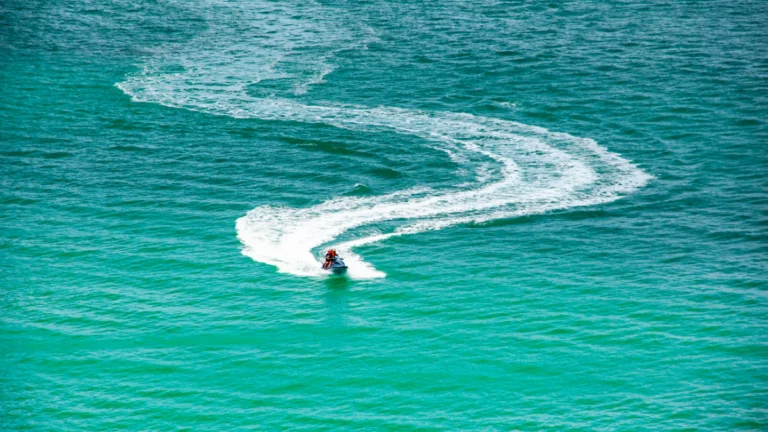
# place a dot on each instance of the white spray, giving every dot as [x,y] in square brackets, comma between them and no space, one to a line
[520,169]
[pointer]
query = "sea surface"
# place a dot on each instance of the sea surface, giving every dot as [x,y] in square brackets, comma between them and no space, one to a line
[555,215]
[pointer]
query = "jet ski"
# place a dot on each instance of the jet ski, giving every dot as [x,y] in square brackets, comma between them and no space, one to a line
[338,266]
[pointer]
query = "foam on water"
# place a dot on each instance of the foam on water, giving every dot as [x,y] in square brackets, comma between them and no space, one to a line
[253,71]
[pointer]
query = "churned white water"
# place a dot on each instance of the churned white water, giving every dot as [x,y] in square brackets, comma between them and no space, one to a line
[520,169]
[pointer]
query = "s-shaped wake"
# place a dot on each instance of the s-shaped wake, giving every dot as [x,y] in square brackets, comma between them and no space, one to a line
[521,169]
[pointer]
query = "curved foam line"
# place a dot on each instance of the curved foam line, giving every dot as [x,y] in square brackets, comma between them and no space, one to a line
[520,169]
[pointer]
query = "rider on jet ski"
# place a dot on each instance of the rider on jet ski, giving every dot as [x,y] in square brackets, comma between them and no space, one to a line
[330,257]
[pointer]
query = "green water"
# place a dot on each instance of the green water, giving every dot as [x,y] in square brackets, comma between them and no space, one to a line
[554,215]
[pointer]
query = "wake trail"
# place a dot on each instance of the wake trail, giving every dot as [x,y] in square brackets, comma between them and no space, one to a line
[520,169]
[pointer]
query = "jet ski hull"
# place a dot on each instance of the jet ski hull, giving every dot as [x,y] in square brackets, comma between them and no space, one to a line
[338,270]
[338,267]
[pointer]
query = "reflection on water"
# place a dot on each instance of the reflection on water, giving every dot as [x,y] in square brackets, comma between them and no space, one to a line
[336,300]
[337,283]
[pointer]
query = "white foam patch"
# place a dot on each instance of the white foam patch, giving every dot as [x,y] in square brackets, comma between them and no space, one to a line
[519,169]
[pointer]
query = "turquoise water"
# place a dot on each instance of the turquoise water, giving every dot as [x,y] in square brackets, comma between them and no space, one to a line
[554,215]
